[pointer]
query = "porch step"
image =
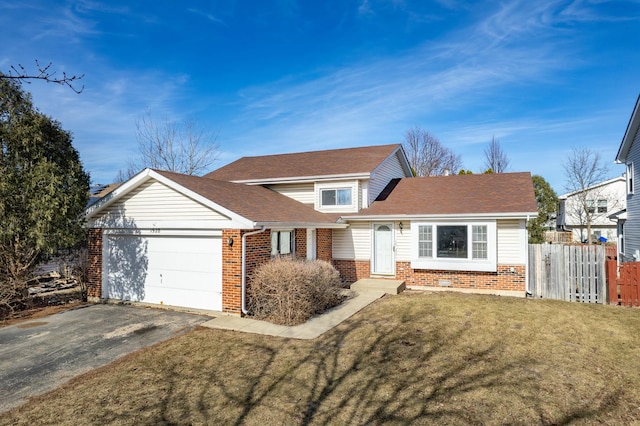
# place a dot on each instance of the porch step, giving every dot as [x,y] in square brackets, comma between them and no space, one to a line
[388,286]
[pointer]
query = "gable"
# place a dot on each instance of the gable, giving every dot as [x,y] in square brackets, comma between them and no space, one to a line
[154,204]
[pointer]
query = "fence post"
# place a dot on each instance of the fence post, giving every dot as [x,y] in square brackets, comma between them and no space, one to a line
[612,280]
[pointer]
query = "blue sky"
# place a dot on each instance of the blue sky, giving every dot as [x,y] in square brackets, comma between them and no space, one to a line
[277,76]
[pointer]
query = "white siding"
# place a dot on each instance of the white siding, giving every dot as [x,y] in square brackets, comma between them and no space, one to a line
[511,242]
[403,242]
[353,243]
[382,175]
[156,202]
[301,192]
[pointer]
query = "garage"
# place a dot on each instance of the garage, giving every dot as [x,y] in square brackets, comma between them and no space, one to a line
[175,270]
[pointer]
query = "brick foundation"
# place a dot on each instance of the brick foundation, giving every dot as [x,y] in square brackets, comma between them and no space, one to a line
[508,277]
[94,274]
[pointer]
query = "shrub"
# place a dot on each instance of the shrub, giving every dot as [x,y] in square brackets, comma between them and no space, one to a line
[289,292]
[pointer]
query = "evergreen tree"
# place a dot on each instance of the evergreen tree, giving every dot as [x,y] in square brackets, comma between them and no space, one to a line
[547,205]
[43,189]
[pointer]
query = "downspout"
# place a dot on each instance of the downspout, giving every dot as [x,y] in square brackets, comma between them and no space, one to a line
[528,292]
[244,267]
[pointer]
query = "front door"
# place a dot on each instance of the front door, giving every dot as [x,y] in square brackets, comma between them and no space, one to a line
[383,249]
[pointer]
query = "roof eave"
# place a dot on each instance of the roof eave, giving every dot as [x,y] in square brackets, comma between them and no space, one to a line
[303,179]
[632,129]
[299,225]
[456,216]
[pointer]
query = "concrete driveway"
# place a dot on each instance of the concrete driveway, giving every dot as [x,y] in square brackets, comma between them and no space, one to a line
[41,354]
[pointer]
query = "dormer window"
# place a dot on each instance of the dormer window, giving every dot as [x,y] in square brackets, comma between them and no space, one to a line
[336,197]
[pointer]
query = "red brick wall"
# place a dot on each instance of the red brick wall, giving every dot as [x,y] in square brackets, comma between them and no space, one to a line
[301,243]
[324,244]
[503,279]
[94,275]
[258,251]
[352,270]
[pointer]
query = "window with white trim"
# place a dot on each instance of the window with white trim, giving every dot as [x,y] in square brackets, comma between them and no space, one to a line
[282,243]
[629,176]
[425,240]
[454,246]
[480,241]
[335,197]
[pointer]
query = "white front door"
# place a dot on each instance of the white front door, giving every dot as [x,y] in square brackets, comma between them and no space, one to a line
[383,249]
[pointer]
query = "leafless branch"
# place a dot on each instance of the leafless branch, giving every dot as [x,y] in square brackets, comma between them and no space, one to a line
[495,158]
[427,156]
[44,73]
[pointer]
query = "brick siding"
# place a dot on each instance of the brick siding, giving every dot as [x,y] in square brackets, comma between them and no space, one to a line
[94,274]
[301,243]
[324,244]
[508,277]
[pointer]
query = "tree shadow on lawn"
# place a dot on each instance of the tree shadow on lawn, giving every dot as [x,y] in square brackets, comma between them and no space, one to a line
[383,370]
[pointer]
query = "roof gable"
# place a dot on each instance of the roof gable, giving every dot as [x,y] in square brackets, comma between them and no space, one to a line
[498,193]
[248,205]
[333,163]
[620,179]
[629,134]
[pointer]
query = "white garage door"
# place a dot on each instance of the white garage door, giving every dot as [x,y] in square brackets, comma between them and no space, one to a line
[178,271]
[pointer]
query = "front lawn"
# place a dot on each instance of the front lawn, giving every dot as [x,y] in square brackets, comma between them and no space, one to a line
[413,358]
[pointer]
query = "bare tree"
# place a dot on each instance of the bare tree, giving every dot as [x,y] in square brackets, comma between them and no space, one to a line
[427,156]
[43,73]
[182,147]
[584,171]
[495,159]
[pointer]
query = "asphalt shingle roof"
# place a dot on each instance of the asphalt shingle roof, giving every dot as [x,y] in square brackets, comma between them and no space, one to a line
[315,163]
[457,194]
[255,203]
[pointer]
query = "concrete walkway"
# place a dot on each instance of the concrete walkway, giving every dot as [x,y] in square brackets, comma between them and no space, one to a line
[310,329]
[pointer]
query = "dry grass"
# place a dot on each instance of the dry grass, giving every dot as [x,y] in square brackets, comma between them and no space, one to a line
[38,312]
[414,358]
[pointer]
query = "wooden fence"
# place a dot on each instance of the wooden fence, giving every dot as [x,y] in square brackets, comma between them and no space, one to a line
[624,287]
[568,272]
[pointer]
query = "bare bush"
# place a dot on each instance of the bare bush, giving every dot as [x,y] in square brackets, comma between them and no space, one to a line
[289,292]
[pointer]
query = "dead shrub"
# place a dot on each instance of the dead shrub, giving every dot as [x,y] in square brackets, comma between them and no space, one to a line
[289,292]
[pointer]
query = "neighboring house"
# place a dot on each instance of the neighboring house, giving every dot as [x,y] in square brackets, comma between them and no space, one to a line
[629,221]
[602,200]
[167,238]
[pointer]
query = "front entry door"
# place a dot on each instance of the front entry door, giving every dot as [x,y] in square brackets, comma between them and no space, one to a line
[383,249]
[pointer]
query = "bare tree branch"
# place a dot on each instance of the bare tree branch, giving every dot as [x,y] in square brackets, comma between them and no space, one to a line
[427,156]
[43,73]
[495,159]
[583,170]
[182,147]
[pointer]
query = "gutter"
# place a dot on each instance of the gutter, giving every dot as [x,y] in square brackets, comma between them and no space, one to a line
[244,268]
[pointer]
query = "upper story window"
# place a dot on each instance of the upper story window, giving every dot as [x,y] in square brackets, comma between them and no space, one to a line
[597,207]
[336,197]
[602,206]
[629,178]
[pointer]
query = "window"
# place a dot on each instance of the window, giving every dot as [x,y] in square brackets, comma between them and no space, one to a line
[480,241]
[452,241]
[602,206]
[629,178]
[591,206]
[454,246]
[282,243]
[425,241]
[336,197]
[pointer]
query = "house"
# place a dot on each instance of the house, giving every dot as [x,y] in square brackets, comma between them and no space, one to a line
[167,238]
[629,221]
[602,200]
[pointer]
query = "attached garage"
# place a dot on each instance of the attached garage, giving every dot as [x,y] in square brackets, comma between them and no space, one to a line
[171,270]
